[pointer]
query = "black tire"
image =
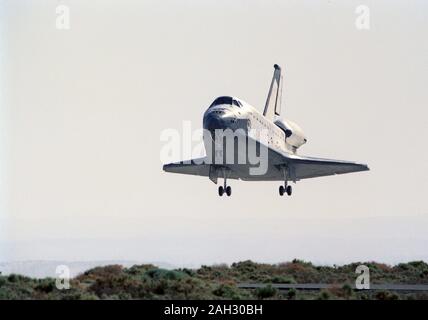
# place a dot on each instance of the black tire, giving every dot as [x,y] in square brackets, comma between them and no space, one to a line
[289,190]
[220,191]
[228,191]
[281,190]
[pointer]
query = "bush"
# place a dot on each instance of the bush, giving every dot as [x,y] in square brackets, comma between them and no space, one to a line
[291,294]
[324,295]
[140,269]
[189,288]
[283,279]
[13,278]
[189,272]
[45,285]
[160,287]
[347,291]
[385,295]
[418,265]
[227,291]
[78,296]
[112,270]
[111,285]
[165,274]
[266,292]
[245,266]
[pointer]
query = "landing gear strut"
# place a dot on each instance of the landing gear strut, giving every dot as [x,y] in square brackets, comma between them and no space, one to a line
[285,188]
[225,188]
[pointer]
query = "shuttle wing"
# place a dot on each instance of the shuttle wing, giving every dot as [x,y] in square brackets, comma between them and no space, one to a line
[194,167]
[198,167]
[309,167]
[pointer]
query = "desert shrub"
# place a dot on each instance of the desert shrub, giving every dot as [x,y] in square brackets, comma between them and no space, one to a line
[402,267]
[189,288]
[222,290]
[139,269]
[385,295]
[111,270]
[76,295]
[13,278]
[16,290]
[124,296]
[381,267]
[160,286]
[205,269]
[420,296]
[227,291]
[8,294]
[301,271]
[347,291]
[324,295]
[421,265]
[187,271]
[115,284]
[45,285]
[302,262]
[364,297]
[282,279]
[291,294]
[165,274]
[266,292]
[245,266]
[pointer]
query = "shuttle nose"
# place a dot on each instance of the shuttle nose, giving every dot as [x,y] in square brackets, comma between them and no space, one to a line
[213,121]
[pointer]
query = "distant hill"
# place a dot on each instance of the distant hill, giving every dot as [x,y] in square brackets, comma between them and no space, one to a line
[44,269]
[219,282]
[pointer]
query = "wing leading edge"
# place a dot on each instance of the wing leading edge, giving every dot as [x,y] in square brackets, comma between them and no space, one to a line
[310,167]
[300,167]
[195,167]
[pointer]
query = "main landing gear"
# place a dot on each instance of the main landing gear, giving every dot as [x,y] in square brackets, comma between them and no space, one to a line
[224,188]
[285,188]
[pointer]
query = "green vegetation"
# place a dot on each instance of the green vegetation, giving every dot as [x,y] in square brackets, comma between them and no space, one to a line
[219,282]
[266,292]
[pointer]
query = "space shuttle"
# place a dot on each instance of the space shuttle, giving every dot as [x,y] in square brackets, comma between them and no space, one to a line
[275,138]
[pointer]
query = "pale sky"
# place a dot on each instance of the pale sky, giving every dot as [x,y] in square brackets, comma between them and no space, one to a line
[82,111]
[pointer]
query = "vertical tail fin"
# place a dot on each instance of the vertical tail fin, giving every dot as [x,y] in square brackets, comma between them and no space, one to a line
[273,101]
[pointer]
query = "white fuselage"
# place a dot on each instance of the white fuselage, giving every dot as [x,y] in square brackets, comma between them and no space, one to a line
[281,135]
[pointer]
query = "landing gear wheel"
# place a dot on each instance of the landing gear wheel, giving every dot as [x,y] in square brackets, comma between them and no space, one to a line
[289,190]
[281,190]
[228,191]
[220,191]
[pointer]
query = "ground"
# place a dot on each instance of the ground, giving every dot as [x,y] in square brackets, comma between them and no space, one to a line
[219,282]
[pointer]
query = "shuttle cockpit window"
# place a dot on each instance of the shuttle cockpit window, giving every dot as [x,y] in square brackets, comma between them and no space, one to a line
[226,100]
[222,100]
[237,103]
